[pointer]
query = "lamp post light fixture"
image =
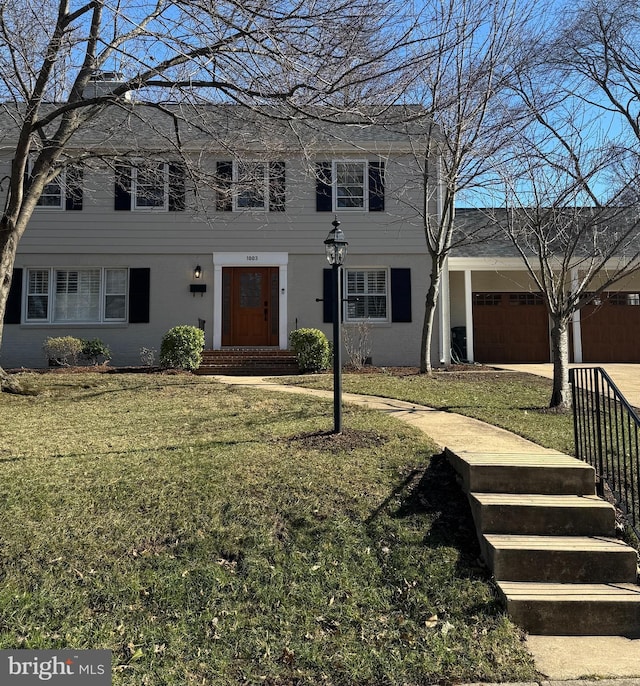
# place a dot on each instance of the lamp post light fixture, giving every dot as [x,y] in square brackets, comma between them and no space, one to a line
[336,250]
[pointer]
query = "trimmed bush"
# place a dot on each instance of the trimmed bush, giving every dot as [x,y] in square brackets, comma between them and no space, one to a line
[94,349]
[311,348]
[181,347]
[63,350]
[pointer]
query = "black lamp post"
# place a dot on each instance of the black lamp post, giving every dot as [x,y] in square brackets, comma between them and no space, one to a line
[336,250]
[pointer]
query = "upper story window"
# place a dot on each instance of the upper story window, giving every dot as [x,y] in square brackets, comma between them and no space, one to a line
[76,295]
[64,192]
[250,185]
[367,295]
[149,186]
[350,185]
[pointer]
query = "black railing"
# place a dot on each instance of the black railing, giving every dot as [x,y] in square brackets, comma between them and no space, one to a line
[607,436]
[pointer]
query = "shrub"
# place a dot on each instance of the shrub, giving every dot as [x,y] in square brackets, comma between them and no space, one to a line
[181,347]
[63,350]
[95,349]
[357,343]
[311,348]
[148,356]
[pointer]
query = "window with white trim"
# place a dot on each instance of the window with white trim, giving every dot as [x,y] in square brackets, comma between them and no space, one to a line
[95,295]
[150,186]
[350,190]
[252,185]
[367,295]
[53,194]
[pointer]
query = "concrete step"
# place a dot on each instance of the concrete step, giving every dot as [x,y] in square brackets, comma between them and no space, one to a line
[544,473]
[544,515]
[573,609]
[560,559]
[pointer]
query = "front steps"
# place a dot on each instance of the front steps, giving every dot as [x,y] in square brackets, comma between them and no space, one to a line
[248,362]
[550,543]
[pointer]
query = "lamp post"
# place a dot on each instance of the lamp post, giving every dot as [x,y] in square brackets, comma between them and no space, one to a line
[336,250]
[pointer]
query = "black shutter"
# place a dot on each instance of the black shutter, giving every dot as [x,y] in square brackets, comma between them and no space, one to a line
[224,178]
[327,295]
[376,186]
[400,295]
[139,295]
[73,191]
[177,194]
[122,197]
[324,199]
[276,187]
[14,302]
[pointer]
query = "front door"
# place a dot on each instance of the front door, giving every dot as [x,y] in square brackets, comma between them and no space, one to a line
[250,306]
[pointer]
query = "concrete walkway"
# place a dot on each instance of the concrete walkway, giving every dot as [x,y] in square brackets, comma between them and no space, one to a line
[558,658]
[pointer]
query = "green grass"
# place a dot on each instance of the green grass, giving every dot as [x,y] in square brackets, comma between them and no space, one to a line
[213,535]
[514,401]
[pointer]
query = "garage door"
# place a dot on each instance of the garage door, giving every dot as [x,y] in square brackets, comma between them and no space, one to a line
[611,329]
[510,327]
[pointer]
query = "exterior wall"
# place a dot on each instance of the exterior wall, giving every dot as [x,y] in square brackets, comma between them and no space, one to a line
[171,244]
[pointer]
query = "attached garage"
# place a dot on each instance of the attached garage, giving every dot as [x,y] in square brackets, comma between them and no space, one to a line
[611,329]
[510,327]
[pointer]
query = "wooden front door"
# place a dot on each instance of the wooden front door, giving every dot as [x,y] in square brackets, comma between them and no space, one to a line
[250,315]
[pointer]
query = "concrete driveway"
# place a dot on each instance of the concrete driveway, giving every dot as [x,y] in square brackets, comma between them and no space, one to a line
[625,376]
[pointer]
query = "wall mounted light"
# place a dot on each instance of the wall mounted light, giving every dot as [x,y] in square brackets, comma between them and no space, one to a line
[197,272]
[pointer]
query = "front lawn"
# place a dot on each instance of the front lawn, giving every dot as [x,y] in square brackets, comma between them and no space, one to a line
[514,401]
[213,535]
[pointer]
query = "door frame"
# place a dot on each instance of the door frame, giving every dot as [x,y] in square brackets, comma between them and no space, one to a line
[250,259]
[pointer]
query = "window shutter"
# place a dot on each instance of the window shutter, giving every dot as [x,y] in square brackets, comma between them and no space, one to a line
[224,177]
[323,187]
[400,295]
[14,302]
[139,295]
[276,187]
[177,193]
[376,186]
[73,199]
[122,198]
[327,295]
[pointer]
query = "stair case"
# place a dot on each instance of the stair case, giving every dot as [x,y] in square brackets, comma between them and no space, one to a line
[550,544]
[248,362]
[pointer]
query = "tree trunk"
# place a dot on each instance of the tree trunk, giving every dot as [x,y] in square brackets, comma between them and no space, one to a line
[431,303]
[8,247]
[561,394]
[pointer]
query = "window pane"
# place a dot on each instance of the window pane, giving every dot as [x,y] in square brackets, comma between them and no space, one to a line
[151,186]
[52,194]
[115,294]
[114,307]
[350,185]
[38,294]
[77,295]
[251,185]
[367,294]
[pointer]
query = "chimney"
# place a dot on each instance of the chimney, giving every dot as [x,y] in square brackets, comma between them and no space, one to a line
[102,83]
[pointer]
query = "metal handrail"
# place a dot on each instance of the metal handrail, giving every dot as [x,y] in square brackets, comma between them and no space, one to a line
[607,436]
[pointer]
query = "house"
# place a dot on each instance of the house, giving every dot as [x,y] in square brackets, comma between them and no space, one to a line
[216,217]
[494,303]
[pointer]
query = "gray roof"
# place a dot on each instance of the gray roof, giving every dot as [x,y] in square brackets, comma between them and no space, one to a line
[130,125]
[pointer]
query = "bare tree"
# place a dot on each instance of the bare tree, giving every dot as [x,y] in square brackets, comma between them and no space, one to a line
[572,176]
[261,54]
[461,89]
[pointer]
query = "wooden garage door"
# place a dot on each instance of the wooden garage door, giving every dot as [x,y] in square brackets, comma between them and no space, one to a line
[510,327]
[611,330]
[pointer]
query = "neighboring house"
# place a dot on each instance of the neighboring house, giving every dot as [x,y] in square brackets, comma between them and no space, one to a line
[494,304]
[228,235]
